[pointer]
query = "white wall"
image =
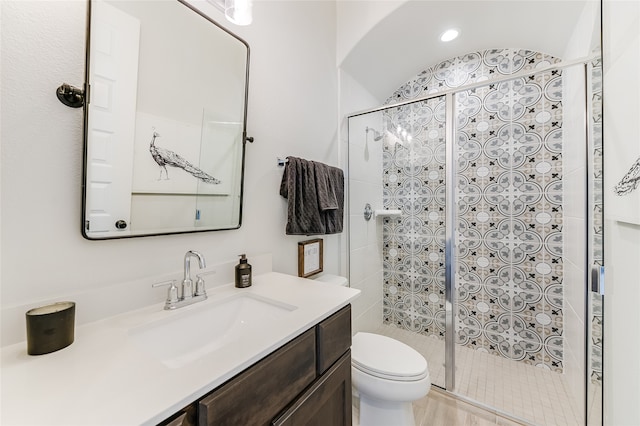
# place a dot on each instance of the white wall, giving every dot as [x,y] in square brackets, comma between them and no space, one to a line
[293,110]
[621,91]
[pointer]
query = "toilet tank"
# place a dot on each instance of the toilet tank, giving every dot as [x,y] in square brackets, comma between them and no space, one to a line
[333,280]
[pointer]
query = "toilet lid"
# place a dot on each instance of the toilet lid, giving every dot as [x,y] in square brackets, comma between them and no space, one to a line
[384,357]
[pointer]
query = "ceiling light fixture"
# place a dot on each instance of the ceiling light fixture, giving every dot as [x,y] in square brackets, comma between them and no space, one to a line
[449,35]
[239,12]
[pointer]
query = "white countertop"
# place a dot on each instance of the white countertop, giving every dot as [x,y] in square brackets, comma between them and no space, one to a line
[103,378]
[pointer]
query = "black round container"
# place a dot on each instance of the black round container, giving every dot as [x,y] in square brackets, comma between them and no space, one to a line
[50,328]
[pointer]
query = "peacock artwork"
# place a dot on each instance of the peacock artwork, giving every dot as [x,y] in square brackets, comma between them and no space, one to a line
[195,157]
[630,181]
[625,206]
[165,157]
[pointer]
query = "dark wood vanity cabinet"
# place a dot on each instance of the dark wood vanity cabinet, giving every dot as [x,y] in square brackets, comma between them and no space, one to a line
[326,402]
[305,382]
[259,393]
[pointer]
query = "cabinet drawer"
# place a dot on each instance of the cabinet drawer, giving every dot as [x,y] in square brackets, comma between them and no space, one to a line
[326,402]
[186,417]
[334,338]
[256,395]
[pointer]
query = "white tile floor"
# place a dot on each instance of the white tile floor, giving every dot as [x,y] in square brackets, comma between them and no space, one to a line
[519,390]
[441,409]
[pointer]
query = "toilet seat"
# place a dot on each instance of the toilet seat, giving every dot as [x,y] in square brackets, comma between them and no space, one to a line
[387,358]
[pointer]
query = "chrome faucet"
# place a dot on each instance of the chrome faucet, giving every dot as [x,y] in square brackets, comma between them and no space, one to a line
[187,284]
[188,296]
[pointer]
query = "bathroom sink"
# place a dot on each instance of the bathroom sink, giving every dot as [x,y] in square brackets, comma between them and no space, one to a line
[185,336]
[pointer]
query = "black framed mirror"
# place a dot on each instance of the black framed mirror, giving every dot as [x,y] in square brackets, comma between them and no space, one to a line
[165,121]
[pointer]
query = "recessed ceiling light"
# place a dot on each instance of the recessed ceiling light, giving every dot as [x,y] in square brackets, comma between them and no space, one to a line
[449,35]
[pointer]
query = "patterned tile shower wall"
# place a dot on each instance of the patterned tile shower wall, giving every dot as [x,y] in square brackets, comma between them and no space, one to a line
[413,244]
[508,153]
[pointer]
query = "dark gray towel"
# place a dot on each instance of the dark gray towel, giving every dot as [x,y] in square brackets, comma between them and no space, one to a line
[315,197]
[325,187]
[330,187]
[298,186]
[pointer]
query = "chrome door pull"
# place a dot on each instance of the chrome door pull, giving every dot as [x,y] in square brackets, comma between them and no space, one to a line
[597,279]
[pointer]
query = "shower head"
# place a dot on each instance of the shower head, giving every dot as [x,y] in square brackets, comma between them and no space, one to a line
[376,134]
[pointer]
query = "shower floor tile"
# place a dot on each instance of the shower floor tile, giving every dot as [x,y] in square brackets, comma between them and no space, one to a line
[513,389]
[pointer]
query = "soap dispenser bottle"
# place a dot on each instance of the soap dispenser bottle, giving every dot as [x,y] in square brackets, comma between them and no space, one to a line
[243,273]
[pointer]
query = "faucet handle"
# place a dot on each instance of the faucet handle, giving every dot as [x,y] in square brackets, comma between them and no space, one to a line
[200,288]
[172,294]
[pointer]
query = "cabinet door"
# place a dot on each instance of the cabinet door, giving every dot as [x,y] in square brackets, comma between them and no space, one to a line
[334,338]
[326,402]
[256,395]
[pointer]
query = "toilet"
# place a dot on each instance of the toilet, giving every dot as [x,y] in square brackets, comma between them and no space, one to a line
[387,375]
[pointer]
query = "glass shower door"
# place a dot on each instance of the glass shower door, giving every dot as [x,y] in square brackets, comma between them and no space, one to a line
[510,242]
[522,164]
[414,244]
[397,163]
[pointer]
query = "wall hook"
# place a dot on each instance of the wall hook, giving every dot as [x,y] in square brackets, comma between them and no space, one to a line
[70,96]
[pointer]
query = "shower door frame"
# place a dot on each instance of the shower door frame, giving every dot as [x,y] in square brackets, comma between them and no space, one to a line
[449,246]
[450,173]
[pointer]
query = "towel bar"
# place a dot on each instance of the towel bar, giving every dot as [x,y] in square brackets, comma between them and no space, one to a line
[282,161]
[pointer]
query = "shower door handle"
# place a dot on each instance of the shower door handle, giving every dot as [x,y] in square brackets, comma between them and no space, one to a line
[597,279]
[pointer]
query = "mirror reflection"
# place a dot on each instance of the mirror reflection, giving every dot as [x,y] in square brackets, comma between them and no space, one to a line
[165,125]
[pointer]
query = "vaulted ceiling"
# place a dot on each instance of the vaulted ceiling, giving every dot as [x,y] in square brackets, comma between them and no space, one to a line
[407,40]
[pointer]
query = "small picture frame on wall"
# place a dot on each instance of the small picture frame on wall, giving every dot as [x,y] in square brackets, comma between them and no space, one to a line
[310,255]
